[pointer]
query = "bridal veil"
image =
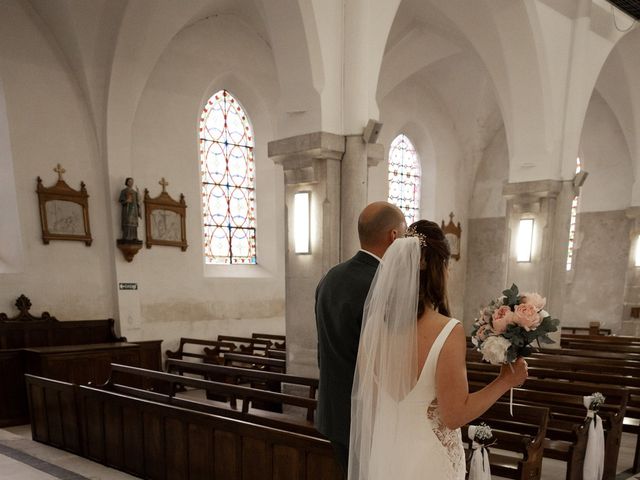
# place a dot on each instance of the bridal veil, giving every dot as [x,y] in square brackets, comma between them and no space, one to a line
[386,368]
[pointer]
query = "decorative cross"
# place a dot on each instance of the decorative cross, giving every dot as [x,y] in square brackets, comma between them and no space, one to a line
[451,217]
[59,170]
[164,184]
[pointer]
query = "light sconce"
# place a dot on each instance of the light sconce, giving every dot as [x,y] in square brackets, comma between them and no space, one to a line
[525,240]
[302,222]
[637,259]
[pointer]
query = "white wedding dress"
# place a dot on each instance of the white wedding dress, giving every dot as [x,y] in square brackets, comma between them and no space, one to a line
[424,448]
[396,429]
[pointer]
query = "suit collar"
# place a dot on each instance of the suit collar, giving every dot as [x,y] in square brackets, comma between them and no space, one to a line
[366,257]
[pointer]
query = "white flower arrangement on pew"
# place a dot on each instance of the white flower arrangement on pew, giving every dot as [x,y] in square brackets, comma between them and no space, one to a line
[509,325]
[481,438]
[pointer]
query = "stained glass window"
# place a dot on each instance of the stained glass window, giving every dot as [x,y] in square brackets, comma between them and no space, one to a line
[404,178]
[228,177]
[572,223]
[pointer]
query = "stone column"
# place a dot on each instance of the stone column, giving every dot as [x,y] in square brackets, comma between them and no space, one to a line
[548,203]
[358,156]
[311,163]
[631,324]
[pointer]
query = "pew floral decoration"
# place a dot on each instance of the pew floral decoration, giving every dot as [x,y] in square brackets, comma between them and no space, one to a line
[595,401]
[481,438]
[593,466]
[508,326]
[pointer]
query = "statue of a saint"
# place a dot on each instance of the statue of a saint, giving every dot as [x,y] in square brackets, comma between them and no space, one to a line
[130,201]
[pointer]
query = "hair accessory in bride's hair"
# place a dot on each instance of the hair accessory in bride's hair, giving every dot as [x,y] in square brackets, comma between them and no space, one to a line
[422,238]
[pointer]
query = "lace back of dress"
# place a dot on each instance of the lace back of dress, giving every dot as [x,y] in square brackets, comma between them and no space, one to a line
[450,439]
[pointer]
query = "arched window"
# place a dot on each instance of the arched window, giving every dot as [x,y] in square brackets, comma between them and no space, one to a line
[228,178]
[572,224]
[404,178]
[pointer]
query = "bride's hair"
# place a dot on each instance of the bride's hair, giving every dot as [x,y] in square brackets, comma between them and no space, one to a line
[434,262]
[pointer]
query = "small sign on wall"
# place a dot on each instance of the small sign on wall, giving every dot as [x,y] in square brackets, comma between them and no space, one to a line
[128,286]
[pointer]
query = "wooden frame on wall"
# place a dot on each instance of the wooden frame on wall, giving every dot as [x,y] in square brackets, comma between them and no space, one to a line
[165,219]
[64,212]
[452,233]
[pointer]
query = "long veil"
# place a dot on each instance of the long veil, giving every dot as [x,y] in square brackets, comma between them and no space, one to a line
[386,368]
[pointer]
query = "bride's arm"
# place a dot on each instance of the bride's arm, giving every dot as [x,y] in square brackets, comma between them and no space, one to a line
[457,406]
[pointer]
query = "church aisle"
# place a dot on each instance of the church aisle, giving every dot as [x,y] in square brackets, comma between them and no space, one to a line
[23,459]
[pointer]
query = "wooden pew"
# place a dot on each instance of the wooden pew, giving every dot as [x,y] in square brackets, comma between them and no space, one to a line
[575,330]
[279,354]
[522,434]
[606,339]
[530,421]
[597,377]
[236,375]
[77,351]
[568,414]
[156,440]
[255,362]
[216,349]
[627,348]
[248,397]
[280,341]
[247,345]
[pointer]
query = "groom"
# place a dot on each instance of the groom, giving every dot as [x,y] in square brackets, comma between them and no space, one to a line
[340,299]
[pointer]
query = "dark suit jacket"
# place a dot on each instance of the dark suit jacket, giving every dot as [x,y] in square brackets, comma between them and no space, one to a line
[340,298]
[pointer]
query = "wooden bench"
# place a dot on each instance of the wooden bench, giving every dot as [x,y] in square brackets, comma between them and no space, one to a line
[594,375]
[247,345]
[255,362]
[282,345]
[606,339]
[523,434]
[575,330]
[152,439]
[216,349]
[254,378]
[567,417]
[231,393]
[75,350]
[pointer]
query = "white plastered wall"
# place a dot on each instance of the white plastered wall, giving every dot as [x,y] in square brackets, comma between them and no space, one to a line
[179,295]
[49,124]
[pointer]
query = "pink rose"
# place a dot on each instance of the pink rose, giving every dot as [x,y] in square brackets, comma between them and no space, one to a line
[502,317]
[527,316]
[535,299]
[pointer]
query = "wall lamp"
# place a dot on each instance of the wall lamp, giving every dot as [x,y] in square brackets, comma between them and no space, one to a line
[525,240]
[302,222]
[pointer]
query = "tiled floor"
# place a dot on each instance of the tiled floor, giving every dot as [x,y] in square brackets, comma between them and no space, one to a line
[23,459]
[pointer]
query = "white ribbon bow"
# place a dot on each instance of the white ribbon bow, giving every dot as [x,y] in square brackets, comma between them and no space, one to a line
[479,468]
[594,455]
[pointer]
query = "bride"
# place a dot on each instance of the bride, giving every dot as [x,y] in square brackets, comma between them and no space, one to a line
[410,393]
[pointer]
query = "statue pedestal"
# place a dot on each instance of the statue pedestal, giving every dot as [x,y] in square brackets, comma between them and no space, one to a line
[129,248]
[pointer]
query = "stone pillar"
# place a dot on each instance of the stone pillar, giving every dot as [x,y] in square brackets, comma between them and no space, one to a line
[311,162]
[548,203]
[358,156]
[631,323]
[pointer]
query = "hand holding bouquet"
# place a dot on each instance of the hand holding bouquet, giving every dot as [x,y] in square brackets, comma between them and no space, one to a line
[508,325]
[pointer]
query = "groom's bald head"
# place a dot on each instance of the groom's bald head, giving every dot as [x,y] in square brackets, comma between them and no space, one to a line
[378,226]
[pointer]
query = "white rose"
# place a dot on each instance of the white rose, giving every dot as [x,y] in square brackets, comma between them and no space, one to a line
[535,299]
[543,314]
[494,349]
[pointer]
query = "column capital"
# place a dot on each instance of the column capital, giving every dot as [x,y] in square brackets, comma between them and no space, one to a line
[532,190]
[300,155]
[316,145]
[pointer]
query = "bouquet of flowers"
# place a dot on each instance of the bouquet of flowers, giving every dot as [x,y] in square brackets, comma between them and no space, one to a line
[508,325]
